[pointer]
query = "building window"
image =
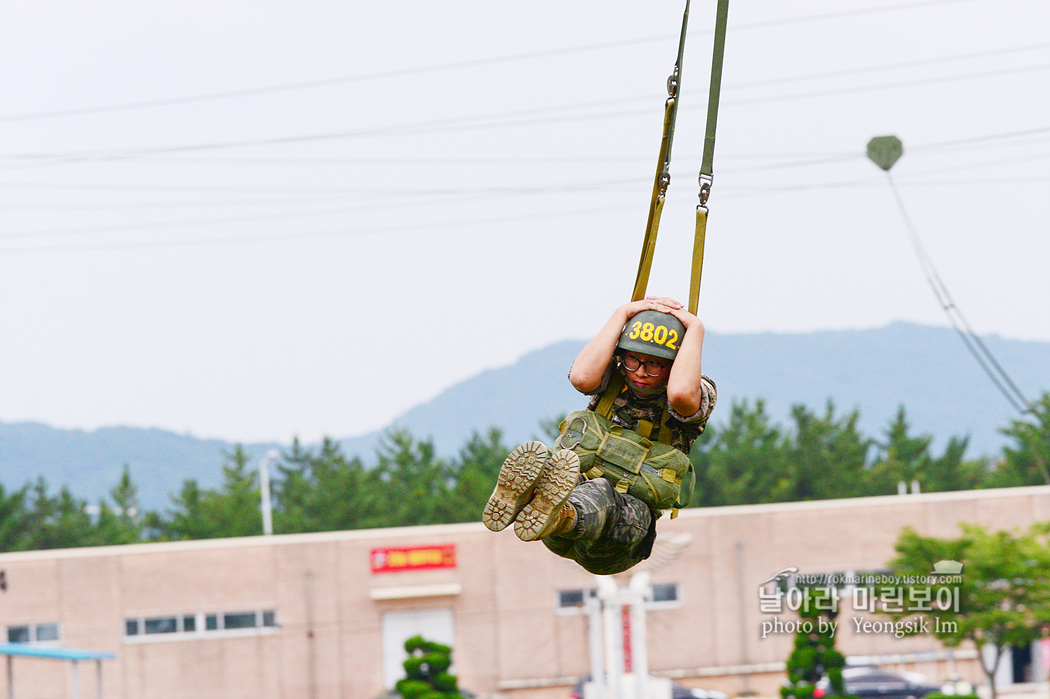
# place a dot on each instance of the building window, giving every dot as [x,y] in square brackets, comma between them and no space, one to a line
[664,595]
[162,624]
[574,599]
[19,634]
[239,620]
[200,625]
[661,596]
[33,633]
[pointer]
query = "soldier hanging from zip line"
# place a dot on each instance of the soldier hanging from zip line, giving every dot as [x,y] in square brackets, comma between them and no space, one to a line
[616,466]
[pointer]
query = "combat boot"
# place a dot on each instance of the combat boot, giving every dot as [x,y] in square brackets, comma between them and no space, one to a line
[549,512]
[515,484]
[563,521]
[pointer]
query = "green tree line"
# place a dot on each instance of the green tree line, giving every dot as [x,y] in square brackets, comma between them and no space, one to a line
[745,458]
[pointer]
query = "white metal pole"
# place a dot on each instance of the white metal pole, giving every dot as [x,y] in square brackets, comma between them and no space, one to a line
[264,487]
[310,635]
[99,692]
[594,611]
[614,646]
[639,589]
[745,657]
[76,681]
[611,613]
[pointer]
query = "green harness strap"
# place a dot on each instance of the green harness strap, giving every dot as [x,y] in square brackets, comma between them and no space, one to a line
[656,204]
[645,428]
[663,176]
[606,455]
[663,166]
[707,164]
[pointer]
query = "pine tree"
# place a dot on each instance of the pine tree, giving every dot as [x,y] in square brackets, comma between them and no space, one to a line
[815,655]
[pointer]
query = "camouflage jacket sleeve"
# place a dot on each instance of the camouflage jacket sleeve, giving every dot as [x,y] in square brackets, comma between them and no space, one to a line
[709,395]
[605,379]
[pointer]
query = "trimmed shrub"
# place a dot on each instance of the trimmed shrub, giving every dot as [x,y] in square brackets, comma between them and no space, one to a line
[426,671]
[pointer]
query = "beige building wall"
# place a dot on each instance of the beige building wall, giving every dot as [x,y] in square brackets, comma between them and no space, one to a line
[511,638]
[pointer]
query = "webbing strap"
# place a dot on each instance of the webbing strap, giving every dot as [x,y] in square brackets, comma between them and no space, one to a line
[664,435]
[615,387]
[663,166]
[707,164]
[698,258]
[645,428]
[656,207]
[604,408]
[663,176]
[721,18]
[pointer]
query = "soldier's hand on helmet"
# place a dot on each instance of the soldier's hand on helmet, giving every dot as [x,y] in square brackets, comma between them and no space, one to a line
[687,318]
[666,304]
[663,304]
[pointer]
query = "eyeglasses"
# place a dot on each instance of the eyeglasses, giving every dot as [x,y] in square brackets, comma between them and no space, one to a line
[631,363]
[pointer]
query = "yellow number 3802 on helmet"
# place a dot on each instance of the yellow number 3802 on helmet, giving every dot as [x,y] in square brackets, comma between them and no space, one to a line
[654,333]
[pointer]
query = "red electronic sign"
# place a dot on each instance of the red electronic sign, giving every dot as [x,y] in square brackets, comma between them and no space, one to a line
[414,558]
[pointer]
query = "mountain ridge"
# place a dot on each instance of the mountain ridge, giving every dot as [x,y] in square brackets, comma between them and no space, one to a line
[874,371]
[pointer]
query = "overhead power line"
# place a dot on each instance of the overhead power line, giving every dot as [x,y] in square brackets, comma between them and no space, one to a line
[315,235]
[449,195]
[918,63]
[496,120]
[832,92]
[386,198]
[456,65]
[731,193]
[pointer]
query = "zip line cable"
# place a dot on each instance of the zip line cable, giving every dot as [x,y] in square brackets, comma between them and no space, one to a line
[973,342]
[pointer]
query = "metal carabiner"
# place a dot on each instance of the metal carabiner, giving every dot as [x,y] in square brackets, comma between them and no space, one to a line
[573,436]
[665,181]
[705,188]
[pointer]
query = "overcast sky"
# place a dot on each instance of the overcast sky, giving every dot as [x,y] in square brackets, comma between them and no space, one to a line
[261,220]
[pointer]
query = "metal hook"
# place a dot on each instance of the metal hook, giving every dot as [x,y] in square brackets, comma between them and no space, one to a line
[573,435]
[705,188]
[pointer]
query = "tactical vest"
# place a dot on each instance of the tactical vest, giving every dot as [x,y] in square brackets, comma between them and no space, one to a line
[651,471]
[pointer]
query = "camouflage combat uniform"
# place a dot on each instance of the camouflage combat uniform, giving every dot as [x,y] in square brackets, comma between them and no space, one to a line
[614,530]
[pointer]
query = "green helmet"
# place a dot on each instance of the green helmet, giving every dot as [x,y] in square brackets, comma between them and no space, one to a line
[652,332]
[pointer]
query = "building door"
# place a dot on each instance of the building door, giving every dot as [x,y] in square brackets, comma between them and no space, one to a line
[1021,664]
[398,627]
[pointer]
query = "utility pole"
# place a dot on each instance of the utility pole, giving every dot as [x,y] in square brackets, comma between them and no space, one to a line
[264,487]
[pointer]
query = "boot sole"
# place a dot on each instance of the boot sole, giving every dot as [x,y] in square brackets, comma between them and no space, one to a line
[552,490]
[514,486]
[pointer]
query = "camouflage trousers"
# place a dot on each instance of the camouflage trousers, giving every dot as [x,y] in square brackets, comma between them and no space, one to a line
[613,530]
